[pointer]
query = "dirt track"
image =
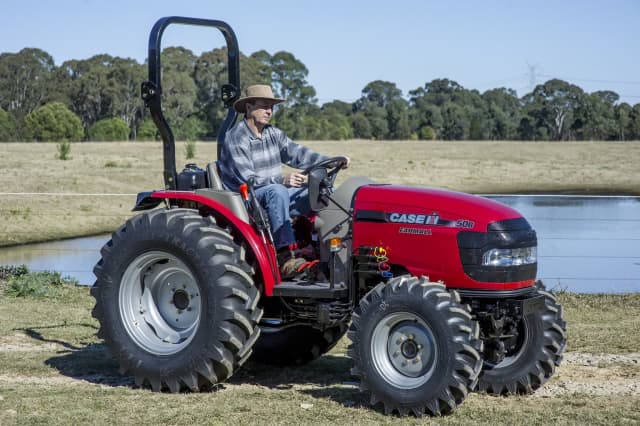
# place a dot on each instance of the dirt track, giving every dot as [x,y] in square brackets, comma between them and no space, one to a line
[584,373]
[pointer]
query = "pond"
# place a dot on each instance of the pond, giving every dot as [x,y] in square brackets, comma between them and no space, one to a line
[585,244]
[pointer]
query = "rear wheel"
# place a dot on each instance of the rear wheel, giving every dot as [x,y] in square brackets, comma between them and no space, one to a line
[414,347]
[176,301]
[537,352]
[295,344]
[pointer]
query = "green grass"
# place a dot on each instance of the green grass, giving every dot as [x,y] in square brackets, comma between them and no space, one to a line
[122,169]
[54,370]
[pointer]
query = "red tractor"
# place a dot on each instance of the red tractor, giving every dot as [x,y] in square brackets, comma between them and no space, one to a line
[436,289]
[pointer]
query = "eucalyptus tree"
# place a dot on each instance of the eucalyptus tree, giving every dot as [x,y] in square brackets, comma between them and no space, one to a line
[337,118]
[180,92]
[289,80]
[446,107]
[80,85]
[501,114]
[552,106]
[123,92]
[385,109]
[25,81]
[8,128]
[595,116]
[623,113]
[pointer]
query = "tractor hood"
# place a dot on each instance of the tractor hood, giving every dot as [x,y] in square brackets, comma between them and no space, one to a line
[446,236]
[428,206]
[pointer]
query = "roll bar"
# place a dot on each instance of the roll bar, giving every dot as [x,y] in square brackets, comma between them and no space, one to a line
[151,90]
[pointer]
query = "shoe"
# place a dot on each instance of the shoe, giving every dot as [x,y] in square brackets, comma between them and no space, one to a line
[292,267]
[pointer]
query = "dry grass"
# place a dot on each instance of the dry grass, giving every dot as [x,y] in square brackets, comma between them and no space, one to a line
[54,370]
[130,167]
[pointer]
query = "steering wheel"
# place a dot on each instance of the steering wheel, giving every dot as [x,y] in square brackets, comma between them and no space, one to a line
[333,166]
[321,181]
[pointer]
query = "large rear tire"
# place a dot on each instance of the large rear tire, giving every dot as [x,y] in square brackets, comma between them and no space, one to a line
[176,301]
[415,347]
[296,344]
[541,342]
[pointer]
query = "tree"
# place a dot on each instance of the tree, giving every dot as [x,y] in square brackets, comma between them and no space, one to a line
[82,85]
[634,125]
[502,113]
[147,131]
[361,126]
[8,128]
[123,92]
[454,122]
[448,108]
[552,105]
[53,122]
[623,113]
[210,73]
[386,110]
[179,89]
[289,80]
[595,116]
[24,81]
[109,129]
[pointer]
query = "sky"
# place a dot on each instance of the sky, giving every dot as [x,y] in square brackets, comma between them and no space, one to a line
[346,44]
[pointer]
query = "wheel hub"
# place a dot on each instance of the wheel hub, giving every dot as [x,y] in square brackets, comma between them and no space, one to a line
[160,303]
[404,349]
[181,299]
[409,349]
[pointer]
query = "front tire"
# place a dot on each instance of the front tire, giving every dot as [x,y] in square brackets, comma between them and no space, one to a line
[176,301]
[541,342]
[414,347]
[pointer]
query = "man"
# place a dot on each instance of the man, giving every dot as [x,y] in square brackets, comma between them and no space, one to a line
[255,149]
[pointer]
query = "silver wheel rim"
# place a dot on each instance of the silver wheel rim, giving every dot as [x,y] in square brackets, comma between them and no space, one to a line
[160,303]
[404,350]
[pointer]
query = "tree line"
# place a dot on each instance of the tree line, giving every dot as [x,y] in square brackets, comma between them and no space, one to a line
[99,99]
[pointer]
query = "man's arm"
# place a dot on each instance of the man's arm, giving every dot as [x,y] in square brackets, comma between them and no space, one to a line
[295,155]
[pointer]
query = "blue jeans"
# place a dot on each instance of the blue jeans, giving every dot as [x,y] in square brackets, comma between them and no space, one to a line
[280,204]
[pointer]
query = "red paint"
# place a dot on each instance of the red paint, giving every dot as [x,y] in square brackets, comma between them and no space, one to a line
[259,248]
[435,255]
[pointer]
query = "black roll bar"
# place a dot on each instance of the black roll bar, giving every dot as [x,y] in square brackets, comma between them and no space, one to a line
[151,90]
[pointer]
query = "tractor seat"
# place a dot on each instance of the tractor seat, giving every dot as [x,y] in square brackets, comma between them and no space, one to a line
[214,177]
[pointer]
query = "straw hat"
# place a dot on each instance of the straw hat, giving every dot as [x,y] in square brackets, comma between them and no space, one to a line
[255,92]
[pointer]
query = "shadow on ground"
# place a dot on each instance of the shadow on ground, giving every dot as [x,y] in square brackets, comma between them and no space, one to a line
[327,377]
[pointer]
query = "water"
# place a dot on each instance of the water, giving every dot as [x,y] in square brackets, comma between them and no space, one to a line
[585,244]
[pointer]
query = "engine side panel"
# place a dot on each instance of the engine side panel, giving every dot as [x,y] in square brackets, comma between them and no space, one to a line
[419,229]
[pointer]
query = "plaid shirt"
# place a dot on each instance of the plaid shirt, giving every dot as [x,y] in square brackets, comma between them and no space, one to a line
[245,155]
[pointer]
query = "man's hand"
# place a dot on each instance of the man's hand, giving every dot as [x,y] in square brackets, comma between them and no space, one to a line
[294,180]
[347,163]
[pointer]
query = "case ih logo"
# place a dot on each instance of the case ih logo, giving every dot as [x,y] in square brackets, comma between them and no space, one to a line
[418,219]
[428,219]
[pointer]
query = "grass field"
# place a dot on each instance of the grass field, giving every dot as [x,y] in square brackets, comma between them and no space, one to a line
[54,370]
[117,171]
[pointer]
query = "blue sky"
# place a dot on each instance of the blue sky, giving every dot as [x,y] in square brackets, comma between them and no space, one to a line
[347,44]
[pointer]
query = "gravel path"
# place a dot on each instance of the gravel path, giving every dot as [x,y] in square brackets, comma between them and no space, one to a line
[580,372]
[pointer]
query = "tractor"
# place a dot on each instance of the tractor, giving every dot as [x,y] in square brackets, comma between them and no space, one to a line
[436,289]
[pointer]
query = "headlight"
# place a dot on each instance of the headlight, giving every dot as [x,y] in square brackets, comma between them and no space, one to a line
[510,257]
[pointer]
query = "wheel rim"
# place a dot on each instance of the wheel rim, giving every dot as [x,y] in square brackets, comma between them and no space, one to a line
[404,350]
[160,303]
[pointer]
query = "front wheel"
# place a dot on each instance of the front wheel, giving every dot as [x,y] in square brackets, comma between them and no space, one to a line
[415,347]
[176,301]
[541,340]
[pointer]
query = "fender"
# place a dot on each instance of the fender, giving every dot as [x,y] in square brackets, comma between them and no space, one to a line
[270,274]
